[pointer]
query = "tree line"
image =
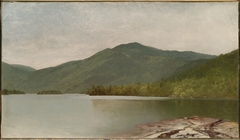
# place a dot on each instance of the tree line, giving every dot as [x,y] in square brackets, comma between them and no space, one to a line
[217,78]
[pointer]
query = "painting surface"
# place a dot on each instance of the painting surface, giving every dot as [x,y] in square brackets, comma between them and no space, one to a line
[104,69]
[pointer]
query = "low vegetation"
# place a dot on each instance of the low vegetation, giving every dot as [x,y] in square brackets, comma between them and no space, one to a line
[139,89]
[8,92]
[49,92]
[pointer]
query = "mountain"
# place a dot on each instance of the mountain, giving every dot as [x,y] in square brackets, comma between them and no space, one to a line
[224,64]
[23,68]
[121,65]
[215,78]
[12,73]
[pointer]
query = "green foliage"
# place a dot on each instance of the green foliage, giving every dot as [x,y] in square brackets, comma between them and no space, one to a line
[217,78]
[8,92]
[49,92]
[153,89]
[125,64]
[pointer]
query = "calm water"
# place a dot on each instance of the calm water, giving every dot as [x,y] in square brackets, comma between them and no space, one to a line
[77,116]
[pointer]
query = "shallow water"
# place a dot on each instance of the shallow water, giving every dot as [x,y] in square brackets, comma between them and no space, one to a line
[82,116]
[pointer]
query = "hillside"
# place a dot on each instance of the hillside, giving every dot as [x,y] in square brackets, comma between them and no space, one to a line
[216,78]
[124,64]
[23,68]
[12,75]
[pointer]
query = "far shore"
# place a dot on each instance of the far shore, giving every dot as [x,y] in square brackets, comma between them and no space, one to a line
[97,96]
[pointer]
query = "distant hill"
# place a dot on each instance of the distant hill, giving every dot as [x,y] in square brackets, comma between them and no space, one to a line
[124,64]
[215,78]
[12,74]
[23,68]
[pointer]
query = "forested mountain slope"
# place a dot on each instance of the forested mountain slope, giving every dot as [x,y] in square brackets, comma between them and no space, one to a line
[216,78]
[121,65]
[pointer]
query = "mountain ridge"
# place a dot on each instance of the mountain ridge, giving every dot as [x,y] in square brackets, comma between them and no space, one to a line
[215,78]
[123,64]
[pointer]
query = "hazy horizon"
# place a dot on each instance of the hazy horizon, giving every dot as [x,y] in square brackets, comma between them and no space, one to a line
[42,35]
[90,56]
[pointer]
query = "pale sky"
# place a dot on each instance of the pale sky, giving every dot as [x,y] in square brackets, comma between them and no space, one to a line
[47,34]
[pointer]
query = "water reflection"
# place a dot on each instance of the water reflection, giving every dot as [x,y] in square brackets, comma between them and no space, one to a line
[73,116]
[155,110]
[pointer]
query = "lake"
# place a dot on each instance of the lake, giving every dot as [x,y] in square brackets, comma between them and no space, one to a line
[83,116]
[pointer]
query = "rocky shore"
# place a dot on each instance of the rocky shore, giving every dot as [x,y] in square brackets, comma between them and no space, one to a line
[191,127]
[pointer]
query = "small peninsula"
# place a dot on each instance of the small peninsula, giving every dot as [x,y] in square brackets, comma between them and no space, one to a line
[49,92]
[8,92]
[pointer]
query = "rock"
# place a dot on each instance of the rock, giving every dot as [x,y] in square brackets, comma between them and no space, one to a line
[189,133]
[191,127]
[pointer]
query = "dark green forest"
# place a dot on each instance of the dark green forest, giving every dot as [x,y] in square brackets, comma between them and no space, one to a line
[133,69]
[8,92]
[217,78]
[121,65]
[49,92]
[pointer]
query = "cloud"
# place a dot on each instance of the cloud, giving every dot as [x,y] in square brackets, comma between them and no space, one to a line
[34,33]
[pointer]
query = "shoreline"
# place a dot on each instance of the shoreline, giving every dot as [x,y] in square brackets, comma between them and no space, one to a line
[163,97]
[187,127]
